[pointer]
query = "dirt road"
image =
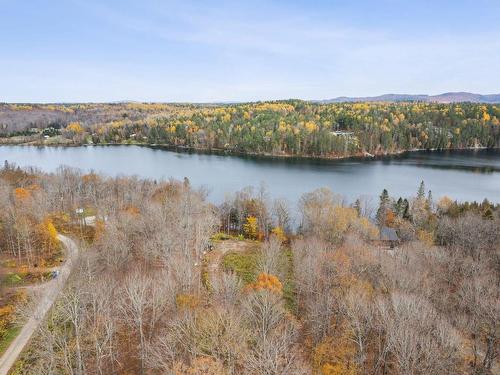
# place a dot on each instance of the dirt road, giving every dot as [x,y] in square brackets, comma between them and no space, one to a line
[49,294]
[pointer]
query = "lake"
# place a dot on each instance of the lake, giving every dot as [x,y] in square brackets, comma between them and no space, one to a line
[463,175]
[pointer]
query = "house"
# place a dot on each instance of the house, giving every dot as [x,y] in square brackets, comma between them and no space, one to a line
[342,133]
[388,236]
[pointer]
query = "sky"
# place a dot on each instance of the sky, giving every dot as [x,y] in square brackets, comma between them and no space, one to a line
[219,51]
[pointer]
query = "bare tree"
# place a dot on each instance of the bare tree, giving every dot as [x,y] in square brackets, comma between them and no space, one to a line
[71,306]
[281,214]
[420,341]
[226,289]
[357,308]
[276,354]
[135,305]
[271,258]
[480,301]
[470,234]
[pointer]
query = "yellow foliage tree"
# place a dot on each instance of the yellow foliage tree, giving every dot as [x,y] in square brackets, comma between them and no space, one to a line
[311,126]
[426,237]
[251,227]
[74,127]
[99,229]
[186,301]
[335,356]
[279,233]
[444,204]
[48,234]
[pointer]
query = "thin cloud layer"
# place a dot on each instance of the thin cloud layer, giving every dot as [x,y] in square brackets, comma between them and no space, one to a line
[229,51]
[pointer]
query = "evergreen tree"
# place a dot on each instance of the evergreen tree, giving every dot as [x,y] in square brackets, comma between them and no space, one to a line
[399,207]
[383,206]
[357,206]
[429,200]
[488,214]
[406,209]
[421,191]
[486,205]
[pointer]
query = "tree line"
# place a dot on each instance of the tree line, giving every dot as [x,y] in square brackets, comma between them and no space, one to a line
[292,127]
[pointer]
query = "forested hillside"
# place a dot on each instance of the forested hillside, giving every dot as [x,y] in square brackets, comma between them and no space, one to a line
[167,283]
[290,128]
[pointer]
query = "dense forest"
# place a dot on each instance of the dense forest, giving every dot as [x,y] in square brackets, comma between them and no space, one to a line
[167,283]
[290,128]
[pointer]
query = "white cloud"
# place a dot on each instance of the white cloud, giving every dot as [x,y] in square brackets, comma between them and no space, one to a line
[258,51]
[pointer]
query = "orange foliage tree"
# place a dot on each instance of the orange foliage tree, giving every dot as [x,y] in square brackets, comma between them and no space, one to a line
[268,282]
[22,194]
[200,366]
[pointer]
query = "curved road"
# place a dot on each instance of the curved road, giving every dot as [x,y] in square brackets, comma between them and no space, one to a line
[49,295]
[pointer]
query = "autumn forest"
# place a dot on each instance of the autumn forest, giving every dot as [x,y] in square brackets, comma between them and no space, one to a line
[165,282]
[278,128]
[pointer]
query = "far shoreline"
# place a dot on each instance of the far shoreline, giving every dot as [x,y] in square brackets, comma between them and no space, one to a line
[361,156]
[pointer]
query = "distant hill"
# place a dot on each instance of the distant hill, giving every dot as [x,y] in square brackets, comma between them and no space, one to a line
[447,97]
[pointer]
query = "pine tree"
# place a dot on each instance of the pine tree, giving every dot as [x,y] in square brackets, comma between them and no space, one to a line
[421,191]
[383,206]
[357,207]
[406,209]
[399,207]
[429,200]
[488,214]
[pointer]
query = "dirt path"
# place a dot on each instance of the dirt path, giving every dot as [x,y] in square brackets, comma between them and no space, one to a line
[49,291]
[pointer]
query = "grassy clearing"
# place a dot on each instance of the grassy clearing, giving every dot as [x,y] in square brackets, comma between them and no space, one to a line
[9,263]
[243,264]
[221,236]
[89,211]
[13,279]
[7,337]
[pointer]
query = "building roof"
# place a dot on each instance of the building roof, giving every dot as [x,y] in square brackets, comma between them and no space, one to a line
[388,234]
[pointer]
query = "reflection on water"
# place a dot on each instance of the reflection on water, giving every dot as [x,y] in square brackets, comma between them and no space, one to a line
[477,161]
[463,175]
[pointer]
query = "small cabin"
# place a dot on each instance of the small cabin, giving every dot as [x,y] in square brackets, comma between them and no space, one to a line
[388,236]
[342,133]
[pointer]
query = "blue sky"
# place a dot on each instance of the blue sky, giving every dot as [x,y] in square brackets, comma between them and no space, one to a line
[203,51]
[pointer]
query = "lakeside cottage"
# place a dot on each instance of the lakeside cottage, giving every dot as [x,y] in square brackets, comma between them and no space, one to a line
[389,237]
[342,133]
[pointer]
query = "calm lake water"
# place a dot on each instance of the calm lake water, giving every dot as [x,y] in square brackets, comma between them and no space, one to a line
[462,175]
